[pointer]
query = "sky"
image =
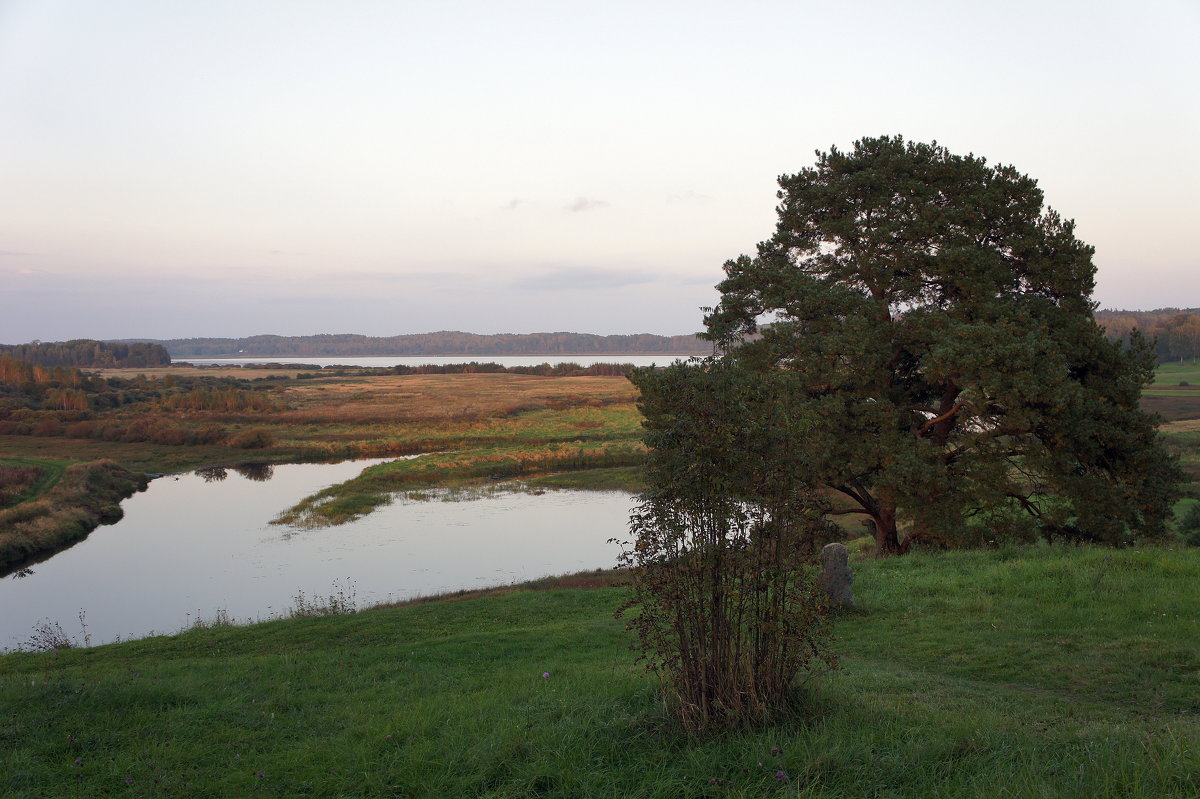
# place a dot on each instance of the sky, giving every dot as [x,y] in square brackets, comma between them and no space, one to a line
[236,167]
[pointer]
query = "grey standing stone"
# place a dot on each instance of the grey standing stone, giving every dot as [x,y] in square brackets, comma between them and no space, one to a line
[836,578]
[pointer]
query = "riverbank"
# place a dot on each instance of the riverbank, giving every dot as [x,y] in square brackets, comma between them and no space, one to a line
[1024,672]
[64,511]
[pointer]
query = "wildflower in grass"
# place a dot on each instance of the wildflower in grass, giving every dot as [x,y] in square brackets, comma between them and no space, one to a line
[545,675]
[776,751]
[78,762]
[129,780]
[260,774]
[781,775]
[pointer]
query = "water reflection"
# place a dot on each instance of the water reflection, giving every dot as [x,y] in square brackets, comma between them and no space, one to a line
[199,546]
[259,472]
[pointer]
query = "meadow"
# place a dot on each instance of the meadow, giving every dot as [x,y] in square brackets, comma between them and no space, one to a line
[1037,671]
[1041,671]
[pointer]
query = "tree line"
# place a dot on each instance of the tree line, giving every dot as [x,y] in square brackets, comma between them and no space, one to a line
[1175,332]
[86,352]
[446,342]
[29,393]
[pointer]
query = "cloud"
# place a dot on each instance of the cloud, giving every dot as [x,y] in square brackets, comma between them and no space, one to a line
[25,270]
[584,204]
[581,279]
[397,277]
[688,196]
[515,203]
[13,254]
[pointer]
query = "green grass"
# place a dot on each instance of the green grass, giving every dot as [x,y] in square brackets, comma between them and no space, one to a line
[52,472]
[1042,672]
[1167,398]
[620,478]
[1171,374]
[140,456]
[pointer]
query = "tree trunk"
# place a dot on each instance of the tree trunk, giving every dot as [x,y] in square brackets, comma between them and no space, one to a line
[887,542]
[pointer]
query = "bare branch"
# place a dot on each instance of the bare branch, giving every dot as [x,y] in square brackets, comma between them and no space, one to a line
[929,424]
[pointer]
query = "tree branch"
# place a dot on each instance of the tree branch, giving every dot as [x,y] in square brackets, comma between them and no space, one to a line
[864,500]
[929,424]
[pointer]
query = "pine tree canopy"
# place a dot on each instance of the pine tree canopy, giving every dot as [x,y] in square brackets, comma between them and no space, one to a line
[934,325]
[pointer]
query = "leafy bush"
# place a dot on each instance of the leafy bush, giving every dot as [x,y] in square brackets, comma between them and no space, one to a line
[725,602]
[252,438]
[1189,526]
[210,434]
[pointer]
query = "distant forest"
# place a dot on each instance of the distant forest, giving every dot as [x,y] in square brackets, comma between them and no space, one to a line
[441,343]
[86,352]
[1176,331]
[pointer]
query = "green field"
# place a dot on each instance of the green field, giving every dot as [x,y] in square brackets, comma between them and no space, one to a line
[1042,672]
[1172,374]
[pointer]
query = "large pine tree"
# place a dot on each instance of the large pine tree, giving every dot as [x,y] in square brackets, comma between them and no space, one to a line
[936,328]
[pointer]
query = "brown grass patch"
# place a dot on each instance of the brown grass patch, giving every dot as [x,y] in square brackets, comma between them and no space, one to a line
[405,398]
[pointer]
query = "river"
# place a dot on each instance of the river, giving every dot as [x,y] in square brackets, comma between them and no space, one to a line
[196,547]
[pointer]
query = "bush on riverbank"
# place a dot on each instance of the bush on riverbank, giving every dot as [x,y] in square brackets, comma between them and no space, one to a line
[86,496]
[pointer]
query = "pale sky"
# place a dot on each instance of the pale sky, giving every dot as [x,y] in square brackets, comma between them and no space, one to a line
[221,168]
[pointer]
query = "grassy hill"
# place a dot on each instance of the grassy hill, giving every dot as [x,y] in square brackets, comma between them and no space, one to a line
[1048,672]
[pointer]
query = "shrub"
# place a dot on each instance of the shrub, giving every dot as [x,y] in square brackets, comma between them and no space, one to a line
[210,434]
[81,430]
[252,438]
[174,436]
[48,426]
[727,610]
[1189,526]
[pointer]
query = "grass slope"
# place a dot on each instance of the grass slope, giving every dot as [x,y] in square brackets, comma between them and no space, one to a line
[1046,672]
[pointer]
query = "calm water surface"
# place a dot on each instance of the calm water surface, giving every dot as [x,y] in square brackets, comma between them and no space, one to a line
[190,547]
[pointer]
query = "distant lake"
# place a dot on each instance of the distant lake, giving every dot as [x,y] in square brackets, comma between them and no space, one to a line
[406,360]
[192,546]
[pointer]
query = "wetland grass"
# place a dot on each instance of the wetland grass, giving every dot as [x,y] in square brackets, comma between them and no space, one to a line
[84,496]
